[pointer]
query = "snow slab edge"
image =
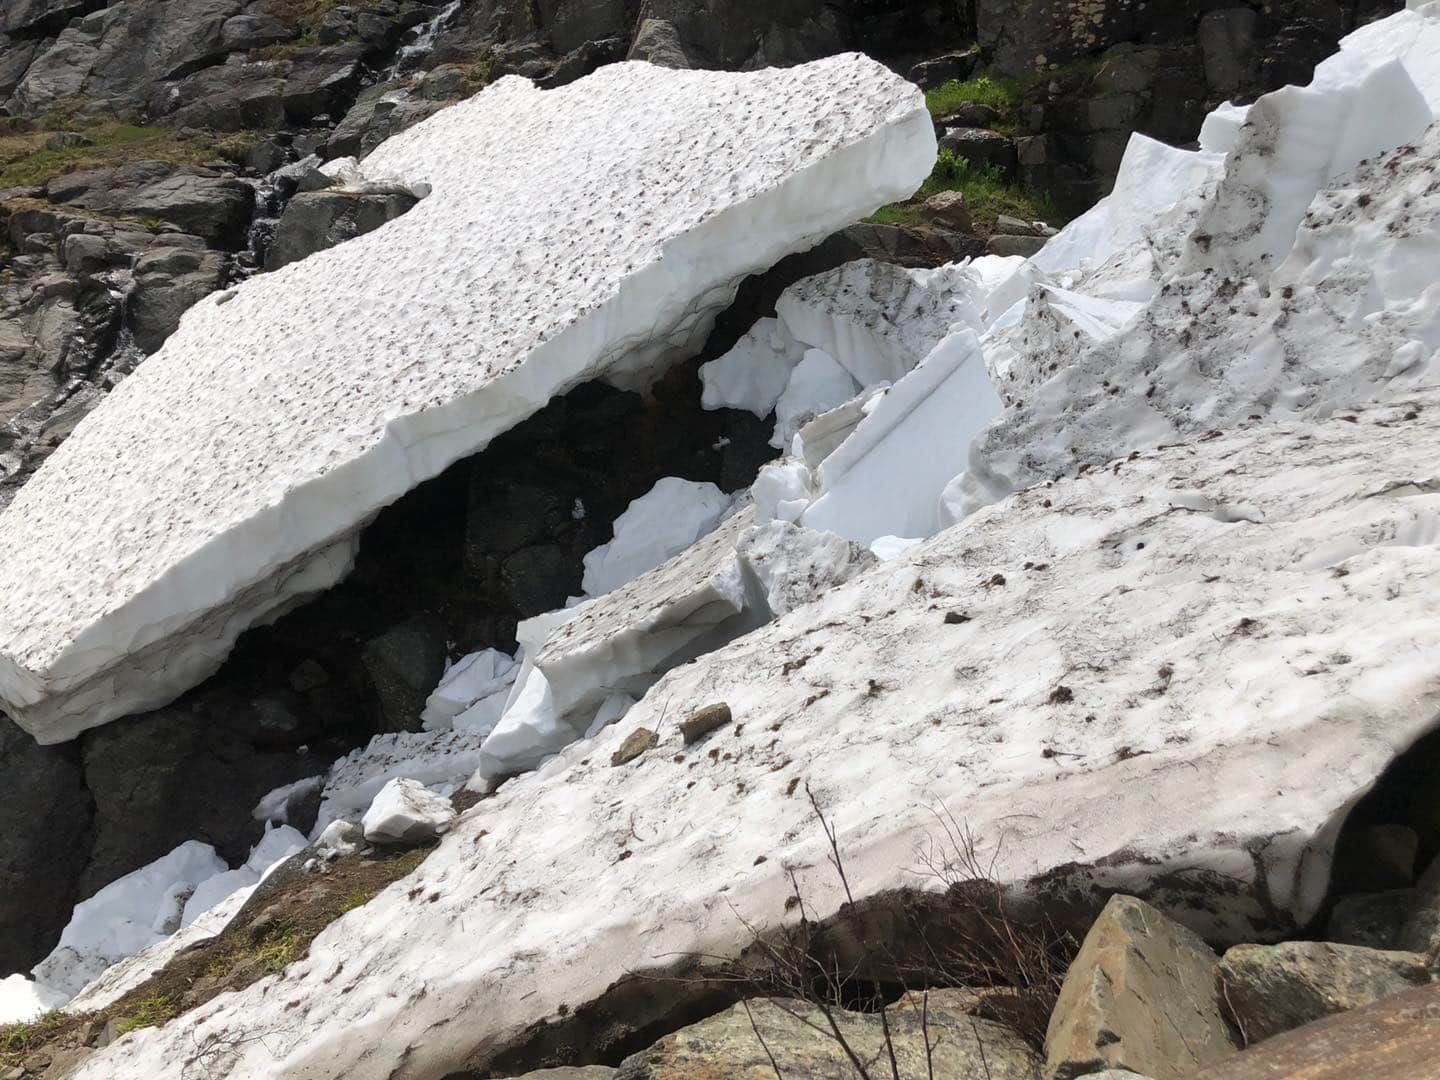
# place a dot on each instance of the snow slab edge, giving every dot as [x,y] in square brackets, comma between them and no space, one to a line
[1148,692]
[230,474]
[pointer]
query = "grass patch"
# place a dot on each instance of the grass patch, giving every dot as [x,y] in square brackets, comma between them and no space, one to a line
[988,194]
[149,1011]
[1006,96]
[17,1041]
[25,161]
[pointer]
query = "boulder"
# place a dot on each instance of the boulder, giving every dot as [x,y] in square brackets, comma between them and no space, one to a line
[1139,995]
[948,207]
[744,1040]
[170,278]
[406,812]
[1006,245]
[1396,1036]
[316,220]
[951,67]
[216,208]
[658,42]
[1420,931]
[1374,920]
[981,147]
[1268,989]
[378,112]
[404,664]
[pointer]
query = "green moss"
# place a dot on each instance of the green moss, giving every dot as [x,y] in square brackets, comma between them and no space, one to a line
[1006,96]
[988,194]
[356,899]
[18,1040]
[25,161]
[149,1011]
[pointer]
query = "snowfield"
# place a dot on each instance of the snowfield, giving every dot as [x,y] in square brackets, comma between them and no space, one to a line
[229,476]
[1075,674]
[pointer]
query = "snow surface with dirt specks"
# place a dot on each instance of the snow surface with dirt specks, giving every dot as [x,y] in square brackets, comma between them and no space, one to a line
[230,474]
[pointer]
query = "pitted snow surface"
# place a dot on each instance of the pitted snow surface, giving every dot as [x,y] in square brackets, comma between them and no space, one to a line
[230,474]
[1180,669]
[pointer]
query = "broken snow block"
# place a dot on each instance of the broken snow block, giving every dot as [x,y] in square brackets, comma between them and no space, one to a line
[233,472]
[696,726]
[1273,988]
[1139,996]
[406,812]
[635,744]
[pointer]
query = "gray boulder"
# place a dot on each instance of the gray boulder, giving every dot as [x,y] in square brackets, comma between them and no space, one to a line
[796,1037]
[171,278]
[1140,995]
[378,112]
[214,207]
[658,42]
[316,220]
[1273,988]
[1374,920]
[404,664]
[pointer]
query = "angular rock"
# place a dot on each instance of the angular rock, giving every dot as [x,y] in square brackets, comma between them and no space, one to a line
[1024,246]
[981,147]
[699,724]
[1140,995]
[635,744]
[1396,1036]
[658,42]
[1273,988]
[406,812]
[949,207]
[952,67]
[1420,932]
[404,664]
[316,220]
[326,421]
[796,1037]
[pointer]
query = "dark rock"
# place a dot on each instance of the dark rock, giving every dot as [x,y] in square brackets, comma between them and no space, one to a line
[1421,930]
[1273,988]
[241,33]
[581,61]
[316,220]
[379,112]
[63,140]
[216,208]
[981,147]
[952,67]
[1027,246]
[1395,1037]
[185,772]
[972,114]
[729,36]
[1140,995]
[1228,40]
[1373,920]
[405,665]
[40,867]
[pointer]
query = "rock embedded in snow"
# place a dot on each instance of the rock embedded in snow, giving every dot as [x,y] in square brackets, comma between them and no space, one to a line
[406,812]
[230,475]
[702,722]
[658,525]
[1284,663]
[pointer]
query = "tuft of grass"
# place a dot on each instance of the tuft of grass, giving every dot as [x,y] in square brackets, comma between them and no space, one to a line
[988,194]
[1007,96]
[149,1011]
[18,1040]
[278,947]
[358,898]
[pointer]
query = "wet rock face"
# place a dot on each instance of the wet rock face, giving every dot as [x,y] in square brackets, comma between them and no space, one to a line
[39,867]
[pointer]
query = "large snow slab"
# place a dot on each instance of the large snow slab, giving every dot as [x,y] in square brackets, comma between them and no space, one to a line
[231,473]
[1171,677]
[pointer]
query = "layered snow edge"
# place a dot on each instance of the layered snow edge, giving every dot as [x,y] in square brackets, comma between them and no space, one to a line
[230,475]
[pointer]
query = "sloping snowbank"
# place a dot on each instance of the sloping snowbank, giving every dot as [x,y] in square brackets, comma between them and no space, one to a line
[230,474]
[1180,669]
